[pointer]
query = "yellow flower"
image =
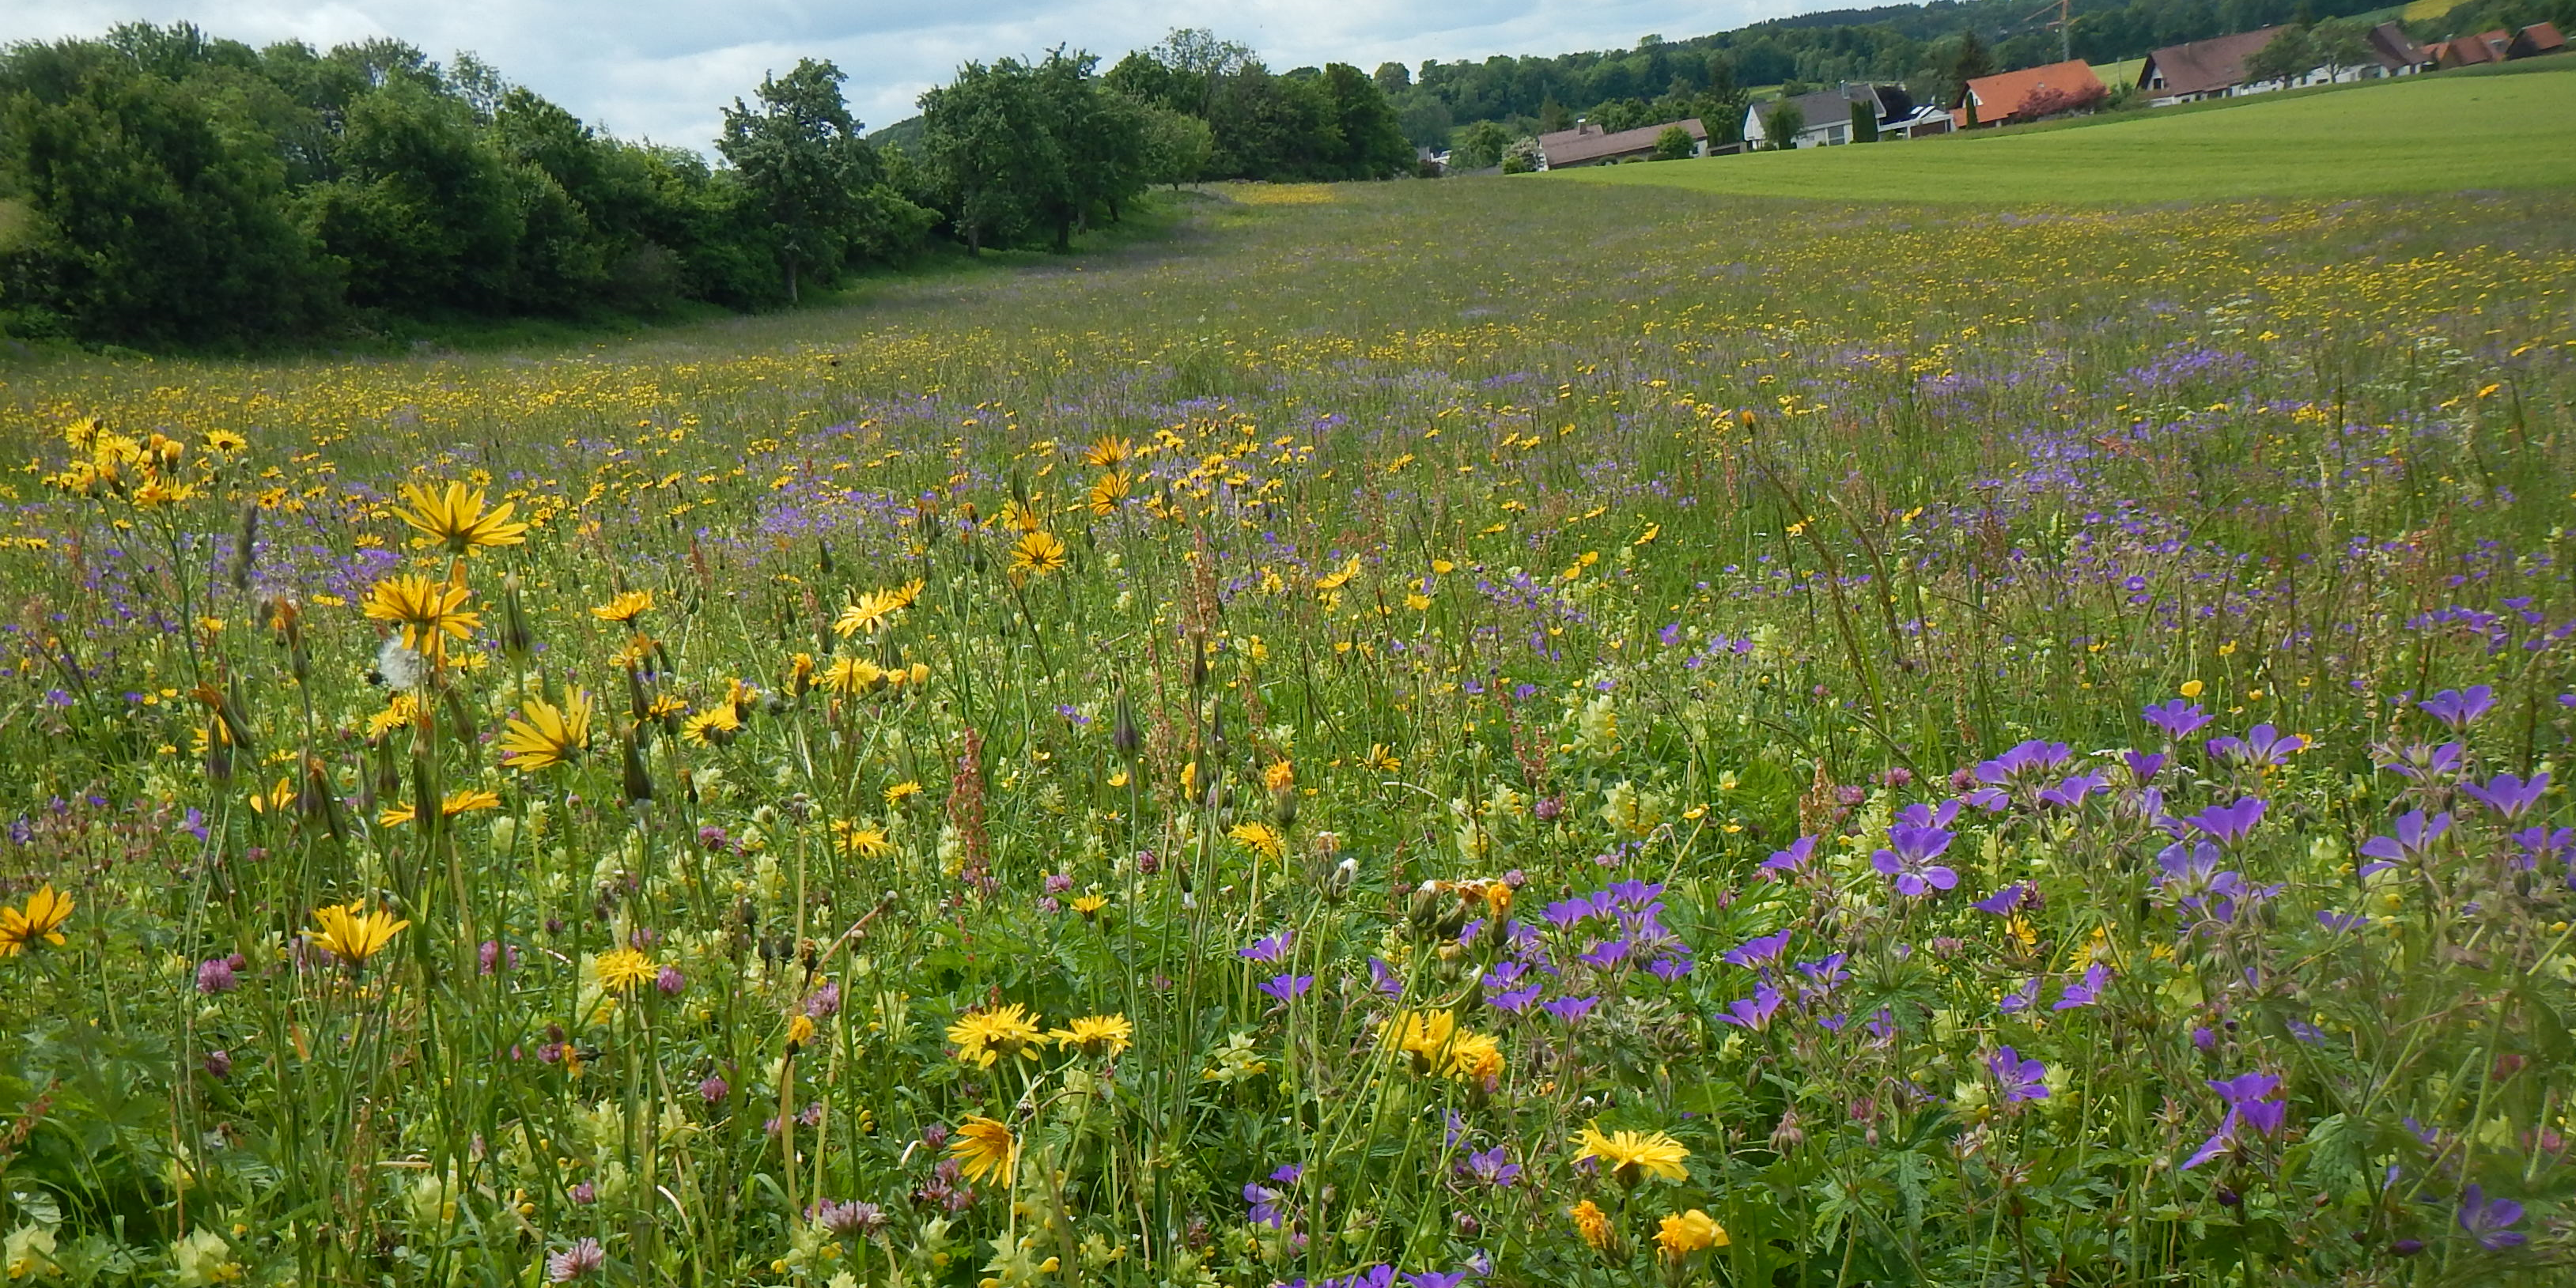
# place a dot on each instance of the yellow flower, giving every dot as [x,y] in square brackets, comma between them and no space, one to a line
[222,442]
[2192,688]
[870,612]
[353,934]
[1097,1035]
[1684,1233]
[427,610]
[983,1037]
[1592,1223]
[544,736]
[856,842]
[1107,451]
[41,917]
[1112,488]
[985,1148]
[1630,1155]
[851,676]
[1036,554]
[1089,905]
[622,969]
[1424,1035]
[1279,777]
[713,726]
[275,799]
[457,802]
[398,713]
[1021,514]
[901,792]
[1331,582]
[624,608]
[456,519]
[1258,837]
[800,1029]
[1475,1057]
[1380,760]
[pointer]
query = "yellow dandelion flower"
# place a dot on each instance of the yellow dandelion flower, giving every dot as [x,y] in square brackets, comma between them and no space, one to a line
[543,735]
[456,519]
[852,676]
[622,970]
[1632,1155]
[428,612]
[1279,777]
[276,799]
[40,918]
[985,1149]
[983,1037]
[1424,1035]
[903,791]
[1475,1057]
[400,713]
[1592,1223]
[713,726]
[1108,492]
[1258,837]
[458,802]
[222,442]
[855,842]
[624,608]
[1089,905]
[1684,1233]
[354,934]
[1380,760]
[1097,1035]
[1021,515]
[1036,554]
[1107,452]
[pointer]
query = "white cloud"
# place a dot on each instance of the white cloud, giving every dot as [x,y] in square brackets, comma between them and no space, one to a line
[663,68]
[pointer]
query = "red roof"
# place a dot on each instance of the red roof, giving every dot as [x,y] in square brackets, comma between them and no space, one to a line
[2538,38]
[2204,66]
[2000,98]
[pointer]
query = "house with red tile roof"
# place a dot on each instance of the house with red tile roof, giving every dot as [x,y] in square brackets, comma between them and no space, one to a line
[2537,39]
[2472,51]
[2029,95]
[2194,70]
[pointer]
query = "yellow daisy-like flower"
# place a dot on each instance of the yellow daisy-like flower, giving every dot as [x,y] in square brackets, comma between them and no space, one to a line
[1036,554]
[429,612]
[984,1149]
[1475,1058]
[855,842]
[712,726]
[636,652]
[622,970]
[983,1037]
[456,519]
[901,792]
[1380,760]
[1424,1035]
[1630,1156]
[399,713]
[353,934]
[222,442]
[1021,515]
[543,735]
[458,802]
[1279,777]
[40,918]
[1108,451]
[1089,905]
[852,676]
[624,608]
[1105,495]
[1258,837]
[277,799]
[1684,1233]
[1097,1035]
[1592,1223]
[869,612]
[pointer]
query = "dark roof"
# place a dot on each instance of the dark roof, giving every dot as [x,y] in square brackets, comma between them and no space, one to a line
[1589,143]
[2538,38]
[1831,105]
[2204,66]
[2392,48]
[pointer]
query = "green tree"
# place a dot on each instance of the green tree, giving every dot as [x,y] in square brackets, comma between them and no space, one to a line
[1674,144]
[2288,55]
[1479,146]
[1372,145]
[1273,127]
[1781,128]
[1176,145]
[426,214]
[800,155]
[1864,121]
[987,142]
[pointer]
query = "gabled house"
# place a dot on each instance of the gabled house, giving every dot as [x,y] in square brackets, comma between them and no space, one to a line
[2537,39]
[1588,144]
[1827,116]
[2030,94]
[2199,69]
[2395,52]
[2473,51]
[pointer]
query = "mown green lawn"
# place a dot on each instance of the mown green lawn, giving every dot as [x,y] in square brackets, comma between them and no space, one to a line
[2442,133]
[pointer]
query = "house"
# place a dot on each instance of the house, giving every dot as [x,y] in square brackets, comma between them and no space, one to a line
[1589,144]
[2472,51]
[2028,95]
[2395,52]
[2537,39]
[1827,115]
[2199,69]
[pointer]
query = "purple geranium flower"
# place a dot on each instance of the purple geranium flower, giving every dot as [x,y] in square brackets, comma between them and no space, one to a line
[1492,1167]
[2422,762]
[1826,972]
[2249,1103]
[2085,991]
[2024,762]
[2339,922]
[1792,859]
[2023,998]
[2485,1219]
[1569,1009]
[2414,840]
[2229,823]
[1383,978]
[1908,862]
[1267,950]
[2261,745]
[1754,952]
[1752,1012]
[2508,795]
[2176,717]
[2457,709]
[2009,900]
[2071,792]
[1288,988]
[2017,1078]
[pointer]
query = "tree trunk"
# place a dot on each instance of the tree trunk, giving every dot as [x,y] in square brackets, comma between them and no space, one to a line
[1063,234]
[791,279]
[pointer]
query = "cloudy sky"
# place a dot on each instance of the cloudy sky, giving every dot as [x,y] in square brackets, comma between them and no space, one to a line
[661,68]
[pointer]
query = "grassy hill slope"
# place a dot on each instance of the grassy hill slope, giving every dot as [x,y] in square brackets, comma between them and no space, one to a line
[2441,133]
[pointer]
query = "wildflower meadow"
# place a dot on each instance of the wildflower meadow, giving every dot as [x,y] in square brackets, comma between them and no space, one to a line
[1499,732]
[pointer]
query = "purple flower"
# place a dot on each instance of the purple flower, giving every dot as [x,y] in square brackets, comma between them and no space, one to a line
[1570,1009]
[2026,761]
[2508,795]
[2339,922]
[1669,968]
[2007,901]
[865,1220]
[1288,988]
[2249,1103]
[713,1089]
[2143,765]
[1384,979]
[1603,956]
[2085,991]
[2540,844]
[2071,792]
[2229,823]
[2021,999]
[1517,1000]
[2485,1219]
[1428,1279]
[1493,1167]
[824,1002]
[1908,862]
[1753,952]
[1268,950]
[2414,840]
[1792,859]
[584,1257]
[2457,709]
[2261,745]
[1266,1207]
[215,975]
[1752,1012]
[2176,717]
[1826,972]
[2017,1078]
[2423,763]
